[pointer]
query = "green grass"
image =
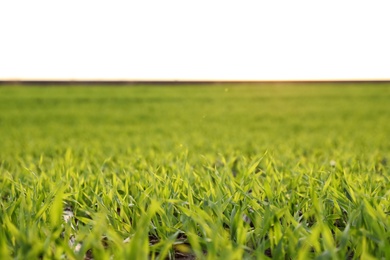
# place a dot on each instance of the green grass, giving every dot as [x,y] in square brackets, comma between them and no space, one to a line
[175,171]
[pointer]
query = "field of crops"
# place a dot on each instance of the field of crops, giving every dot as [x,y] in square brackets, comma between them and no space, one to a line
[185,172]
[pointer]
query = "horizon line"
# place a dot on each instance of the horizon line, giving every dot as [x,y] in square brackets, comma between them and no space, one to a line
[90,81]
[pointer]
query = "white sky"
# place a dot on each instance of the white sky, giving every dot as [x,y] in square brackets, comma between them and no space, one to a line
[232,40]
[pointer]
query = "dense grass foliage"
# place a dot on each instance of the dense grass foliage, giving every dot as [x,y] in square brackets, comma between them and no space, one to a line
[229,172]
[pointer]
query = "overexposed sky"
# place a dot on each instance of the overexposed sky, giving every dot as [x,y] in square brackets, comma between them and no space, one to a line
[212,40]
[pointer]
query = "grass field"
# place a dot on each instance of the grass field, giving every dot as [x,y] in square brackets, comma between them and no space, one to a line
[222,171]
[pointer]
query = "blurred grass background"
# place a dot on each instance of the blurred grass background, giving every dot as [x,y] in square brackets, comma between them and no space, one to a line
[298,120]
